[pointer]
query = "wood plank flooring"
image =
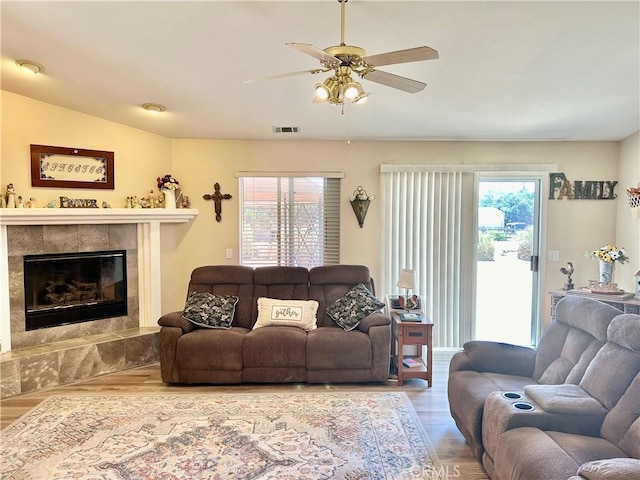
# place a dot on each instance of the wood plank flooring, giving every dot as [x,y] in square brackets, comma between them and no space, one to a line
[430,403]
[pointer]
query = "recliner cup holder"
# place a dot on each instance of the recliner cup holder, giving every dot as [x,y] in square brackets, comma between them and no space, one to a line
[524,406]
[512,395]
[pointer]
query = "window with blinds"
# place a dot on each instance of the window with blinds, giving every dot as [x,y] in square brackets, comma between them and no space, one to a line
[293,221]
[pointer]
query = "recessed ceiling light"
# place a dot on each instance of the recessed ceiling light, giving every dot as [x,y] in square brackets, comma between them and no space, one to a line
[153,107]
[29,66]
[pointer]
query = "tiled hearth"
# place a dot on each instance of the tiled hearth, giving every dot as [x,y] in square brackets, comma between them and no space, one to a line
[48,357]
[34,368]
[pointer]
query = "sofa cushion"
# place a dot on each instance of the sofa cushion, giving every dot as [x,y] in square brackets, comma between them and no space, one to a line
[354,347]
[234,280]
[622,425]
[538,455]
[617,363]
[611,469]
[210,311]
[207,349]
[328,283]
[287,313]
[349,310]
[275,347]
[569,344]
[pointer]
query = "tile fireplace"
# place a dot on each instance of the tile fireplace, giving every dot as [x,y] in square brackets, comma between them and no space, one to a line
[33,359]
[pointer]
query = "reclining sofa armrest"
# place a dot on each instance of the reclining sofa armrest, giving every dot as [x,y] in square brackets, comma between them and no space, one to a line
[609,469]
[484,356]
[501,414]
[565,398]
[373,320]
[460,361]
[175,319]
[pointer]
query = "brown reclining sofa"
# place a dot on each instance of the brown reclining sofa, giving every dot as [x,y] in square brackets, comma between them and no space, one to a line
[328,353]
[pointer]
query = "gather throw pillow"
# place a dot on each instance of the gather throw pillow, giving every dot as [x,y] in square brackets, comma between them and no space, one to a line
[290,313]
[210,311]
[357,303]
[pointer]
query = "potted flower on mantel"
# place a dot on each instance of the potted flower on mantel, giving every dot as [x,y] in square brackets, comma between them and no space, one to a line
[168,186]
[607,257]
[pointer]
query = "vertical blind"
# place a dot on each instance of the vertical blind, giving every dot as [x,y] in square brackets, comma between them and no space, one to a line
[291,221]
[429,225]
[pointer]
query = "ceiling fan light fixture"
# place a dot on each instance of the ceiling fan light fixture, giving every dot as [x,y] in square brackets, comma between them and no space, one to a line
[322,92]
[351,90]
[362,97]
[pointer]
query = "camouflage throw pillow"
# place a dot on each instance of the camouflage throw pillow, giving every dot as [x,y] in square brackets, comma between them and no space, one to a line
[210,311]
[357,303]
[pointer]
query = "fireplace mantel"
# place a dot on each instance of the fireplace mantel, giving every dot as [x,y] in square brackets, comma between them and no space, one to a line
[148,221]
[95,216]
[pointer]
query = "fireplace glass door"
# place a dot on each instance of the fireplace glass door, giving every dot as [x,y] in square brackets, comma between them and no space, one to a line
[69,288]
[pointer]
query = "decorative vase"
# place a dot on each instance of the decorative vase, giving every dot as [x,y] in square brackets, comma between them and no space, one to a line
[606,272]
[169,198]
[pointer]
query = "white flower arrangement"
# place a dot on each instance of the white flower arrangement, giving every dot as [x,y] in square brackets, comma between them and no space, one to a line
[609,254]
[168,182]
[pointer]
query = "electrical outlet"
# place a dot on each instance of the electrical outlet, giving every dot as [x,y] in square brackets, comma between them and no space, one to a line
[554,256]
[229,253]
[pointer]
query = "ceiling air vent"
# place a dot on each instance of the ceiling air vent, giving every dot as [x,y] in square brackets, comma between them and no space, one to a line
[286,129]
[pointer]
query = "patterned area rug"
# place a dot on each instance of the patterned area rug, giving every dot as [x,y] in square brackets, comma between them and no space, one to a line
[287,436]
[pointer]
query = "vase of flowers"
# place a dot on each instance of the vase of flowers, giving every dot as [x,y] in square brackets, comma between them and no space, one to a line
[168,186]
[607,257]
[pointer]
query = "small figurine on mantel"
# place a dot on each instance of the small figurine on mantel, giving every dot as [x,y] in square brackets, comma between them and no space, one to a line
[11,196]
[568,271]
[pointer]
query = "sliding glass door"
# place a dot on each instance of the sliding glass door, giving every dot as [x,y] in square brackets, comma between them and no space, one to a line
[507,260]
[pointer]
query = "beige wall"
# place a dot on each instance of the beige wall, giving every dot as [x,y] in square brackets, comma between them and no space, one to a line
[139,156]
[572,226]
[628,219]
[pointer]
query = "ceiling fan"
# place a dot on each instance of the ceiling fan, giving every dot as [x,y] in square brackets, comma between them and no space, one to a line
[345,60]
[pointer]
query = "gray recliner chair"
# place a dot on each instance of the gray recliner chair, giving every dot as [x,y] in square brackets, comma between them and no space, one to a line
[564,352]
[586,431]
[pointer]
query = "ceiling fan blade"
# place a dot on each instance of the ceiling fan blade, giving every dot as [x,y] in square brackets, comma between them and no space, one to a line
[395,81]
[283,75]
[417,54]
[315,52]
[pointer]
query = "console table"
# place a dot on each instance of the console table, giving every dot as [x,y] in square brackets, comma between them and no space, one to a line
[625,302]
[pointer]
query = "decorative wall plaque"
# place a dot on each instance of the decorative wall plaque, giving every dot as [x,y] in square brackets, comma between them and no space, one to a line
[63,167]
[560,187]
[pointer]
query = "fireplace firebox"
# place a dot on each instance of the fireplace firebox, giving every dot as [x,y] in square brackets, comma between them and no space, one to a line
[61,289]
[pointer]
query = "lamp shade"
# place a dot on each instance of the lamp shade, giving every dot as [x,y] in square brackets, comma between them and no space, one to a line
[407,279]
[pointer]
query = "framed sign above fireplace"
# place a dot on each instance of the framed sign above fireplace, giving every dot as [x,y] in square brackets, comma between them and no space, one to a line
[64,167]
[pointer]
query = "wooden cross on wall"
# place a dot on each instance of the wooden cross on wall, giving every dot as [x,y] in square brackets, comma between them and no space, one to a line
[217,198]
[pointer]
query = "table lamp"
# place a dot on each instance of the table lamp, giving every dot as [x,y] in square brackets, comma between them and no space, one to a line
[407,279]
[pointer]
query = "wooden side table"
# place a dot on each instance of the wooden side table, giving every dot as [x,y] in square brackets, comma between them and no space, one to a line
[413,333]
